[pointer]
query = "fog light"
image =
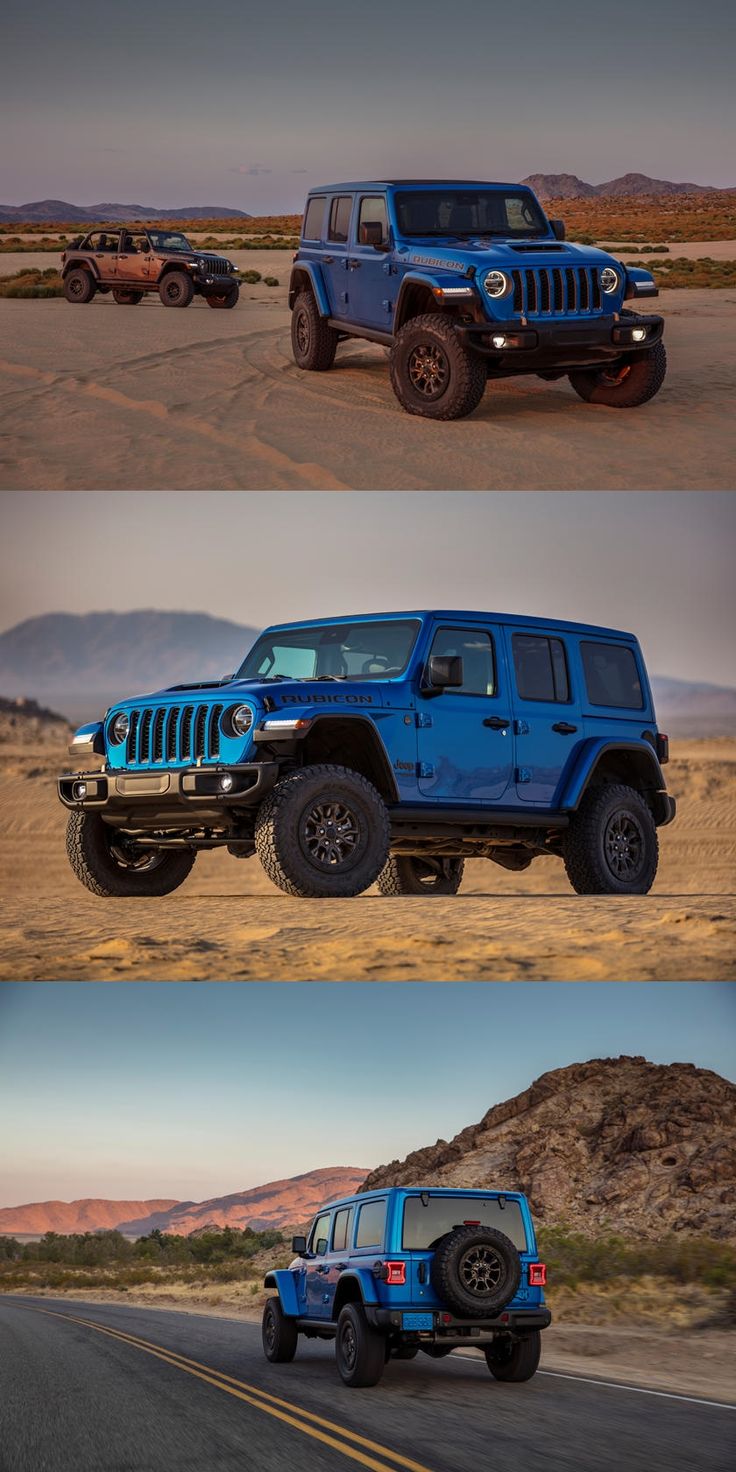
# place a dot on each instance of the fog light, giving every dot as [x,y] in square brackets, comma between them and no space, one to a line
[499,341]
[226,782]
[79,791]
[638,334]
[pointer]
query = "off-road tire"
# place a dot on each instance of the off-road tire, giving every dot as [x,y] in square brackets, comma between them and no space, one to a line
[404,874]
[287,837]
[590,838]
[515,1360]
[88,846]
[462,374]
[468,1250]
[225,299]
[643,377]
[313,343]
[176,289]
[79,286]
[279,1334]
[126,298]
[360,1350]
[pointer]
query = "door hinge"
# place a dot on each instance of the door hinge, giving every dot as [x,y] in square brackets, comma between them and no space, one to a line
[523,774]
[423,720]
[426,769]
[521,728]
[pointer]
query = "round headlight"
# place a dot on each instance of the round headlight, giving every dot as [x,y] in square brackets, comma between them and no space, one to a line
[241,719]
[497,283]
[120,726]
[609,279]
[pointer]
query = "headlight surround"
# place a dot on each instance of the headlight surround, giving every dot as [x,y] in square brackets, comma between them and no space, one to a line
[610,280]
[497,284]
[240,719]
[119,727]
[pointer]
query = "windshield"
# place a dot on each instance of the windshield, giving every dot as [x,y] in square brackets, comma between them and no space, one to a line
[462,212]
[424,1225]
[333,652]
[169,240]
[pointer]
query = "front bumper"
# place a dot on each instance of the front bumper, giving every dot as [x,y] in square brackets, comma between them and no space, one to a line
[446,1328]
[538,345]
[167,797]
[214,285]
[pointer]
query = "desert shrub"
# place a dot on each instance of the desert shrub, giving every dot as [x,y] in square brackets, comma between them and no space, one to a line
[573,1259]
[270,281]
[251,277]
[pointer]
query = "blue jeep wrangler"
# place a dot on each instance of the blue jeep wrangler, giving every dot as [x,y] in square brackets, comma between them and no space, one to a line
[388,747]
[391,1272]
[464,282]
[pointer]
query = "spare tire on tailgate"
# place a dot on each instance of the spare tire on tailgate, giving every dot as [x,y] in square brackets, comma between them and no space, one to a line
[475,1271]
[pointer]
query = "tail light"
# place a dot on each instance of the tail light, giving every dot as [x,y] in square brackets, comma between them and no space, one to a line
[394,1273]
[537,1275]
[663,747]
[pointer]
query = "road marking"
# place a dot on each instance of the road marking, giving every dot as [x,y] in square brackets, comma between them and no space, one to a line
[692,1400]
[260,1399]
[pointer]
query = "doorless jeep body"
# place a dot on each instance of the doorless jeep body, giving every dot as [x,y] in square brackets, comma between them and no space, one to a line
[389,746]
[409,1269]
[465,281]
[132,260]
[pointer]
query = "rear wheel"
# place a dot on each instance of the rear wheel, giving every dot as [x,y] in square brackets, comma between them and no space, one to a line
[225,298]
[514,1360]
[126,298]
[432,373]
[359,1349]
[313,343]
[279,1334]
[107,863]
[79,286]
[408,874]
[323,831]
[611,844]
[625,384]
[176,289]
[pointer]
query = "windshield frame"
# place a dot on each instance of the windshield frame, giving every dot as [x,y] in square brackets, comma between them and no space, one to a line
[516,192]
[175,249]
[269,637]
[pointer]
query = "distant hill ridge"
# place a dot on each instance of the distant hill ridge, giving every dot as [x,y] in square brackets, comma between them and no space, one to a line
[61,212]
[569,186]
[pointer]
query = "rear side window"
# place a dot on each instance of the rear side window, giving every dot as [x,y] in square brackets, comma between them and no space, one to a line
[541,668]
[611,675]
[475,648]
[371,1219]
[313,218]
[341,1229]
[340,212]
[424,1225]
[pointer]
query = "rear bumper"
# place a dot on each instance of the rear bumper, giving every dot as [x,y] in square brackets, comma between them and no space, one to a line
[537,345]
[447,1329]
[666,809]
[167,797]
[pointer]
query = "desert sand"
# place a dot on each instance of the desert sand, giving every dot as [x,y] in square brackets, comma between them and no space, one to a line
[107,398]
[228,922]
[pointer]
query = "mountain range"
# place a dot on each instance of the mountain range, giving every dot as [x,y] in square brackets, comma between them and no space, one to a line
[60,212]
[78,663]
[569,186]
[278,1204]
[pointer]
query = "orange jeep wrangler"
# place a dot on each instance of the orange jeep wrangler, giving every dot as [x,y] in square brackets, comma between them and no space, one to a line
[131,261]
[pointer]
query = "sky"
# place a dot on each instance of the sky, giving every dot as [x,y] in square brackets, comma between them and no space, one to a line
[190,1090]
[247,105]
[659,564]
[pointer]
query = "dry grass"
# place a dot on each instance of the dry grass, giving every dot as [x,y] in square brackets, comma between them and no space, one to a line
[650,217]
[32,283]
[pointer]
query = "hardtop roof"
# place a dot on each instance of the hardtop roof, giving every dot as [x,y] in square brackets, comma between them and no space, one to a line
[419,184]
[381,1191]
[462,615]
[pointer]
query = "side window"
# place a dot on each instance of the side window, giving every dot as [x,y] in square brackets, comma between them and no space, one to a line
[320,1235]
[340,212]
[313,218]
[341,1229]
[540,667]
[611,675]
[372,211]
[104,240]
[475,648]
[371,1220]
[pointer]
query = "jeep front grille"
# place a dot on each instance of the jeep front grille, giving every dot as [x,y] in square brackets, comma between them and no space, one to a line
[173,733]
[549,291]
[216,265]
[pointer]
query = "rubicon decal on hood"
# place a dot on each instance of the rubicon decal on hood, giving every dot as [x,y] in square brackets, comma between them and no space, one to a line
[307,698]
[438,261]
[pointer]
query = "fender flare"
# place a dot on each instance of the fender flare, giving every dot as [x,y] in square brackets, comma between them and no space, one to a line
[80,264]
[284,1282]
[313,274]
[432,283]
[322,717]
[588,759]
[366,1284]
[639,283]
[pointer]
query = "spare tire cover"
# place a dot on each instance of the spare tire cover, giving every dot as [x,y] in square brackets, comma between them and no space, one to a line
[476,1271]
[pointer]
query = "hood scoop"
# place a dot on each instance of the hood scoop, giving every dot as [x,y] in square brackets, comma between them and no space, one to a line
[525,249]
[204,684]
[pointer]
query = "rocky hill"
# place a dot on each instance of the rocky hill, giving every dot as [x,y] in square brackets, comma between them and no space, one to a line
[61,212]
[26,723]
[87,1215]
[569,186]
[616,1144]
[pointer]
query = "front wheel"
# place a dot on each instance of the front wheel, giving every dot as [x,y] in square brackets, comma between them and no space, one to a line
[126,298]
[313,342]
[279,1334]
[611,844]
[359,1349]
[432,373]
[514,1361]
[107,863]
[408,874]
[625,384]
[226,298]
[176,289]
[323,831]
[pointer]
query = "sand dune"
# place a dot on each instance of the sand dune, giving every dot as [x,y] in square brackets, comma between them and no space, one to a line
[229,923]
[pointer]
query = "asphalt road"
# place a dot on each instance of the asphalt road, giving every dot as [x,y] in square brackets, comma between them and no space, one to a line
[137,1390]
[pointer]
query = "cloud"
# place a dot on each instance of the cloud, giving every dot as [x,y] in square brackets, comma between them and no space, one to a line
[252,169]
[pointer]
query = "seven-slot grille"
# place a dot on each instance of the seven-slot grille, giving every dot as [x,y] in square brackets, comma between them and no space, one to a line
[548,291]
[173,733]
[216,265]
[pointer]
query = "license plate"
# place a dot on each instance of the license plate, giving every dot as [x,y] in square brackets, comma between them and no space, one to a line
[417,1321]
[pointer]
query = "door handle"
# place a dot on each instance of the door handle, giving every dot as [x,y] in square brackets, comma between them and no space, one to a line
[353,265]
[329,260]
[564,728]
[323,1269]
[497,723]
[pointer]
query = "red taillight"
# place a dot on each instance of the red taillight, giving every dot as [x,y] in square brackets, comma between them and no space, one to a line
[395,1274]
[537,1275]
[472,1224]
[663,748]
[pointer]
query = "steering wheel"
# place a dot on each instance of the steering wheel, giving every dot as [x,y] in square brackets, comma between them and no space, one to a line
[375,665]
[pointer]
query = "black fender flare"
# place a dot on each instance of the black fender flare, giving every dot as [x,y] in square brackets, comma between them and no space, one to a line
[646,764]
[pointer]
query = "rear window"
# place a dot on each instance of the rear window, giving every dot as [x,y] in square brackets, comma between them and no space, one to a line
[341,1229]
[541,668]
[340,212]
[313,218]
[424,1225]
[371,1218]
[611,675]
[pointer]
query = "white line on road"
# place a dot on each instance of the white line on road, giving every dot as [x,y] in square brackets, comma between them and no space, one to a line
[692,1400]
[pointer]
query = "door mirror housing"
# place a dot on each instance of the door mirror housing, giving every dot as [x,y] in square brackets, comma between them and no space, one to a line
[558,229]
[299,1245]
[371,233]
[445,671]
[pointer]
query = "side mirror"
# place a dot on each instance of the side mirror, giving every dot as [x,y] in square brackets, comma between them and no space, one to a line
[558,229]
[371,233]
[445,671]
[299,1245]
